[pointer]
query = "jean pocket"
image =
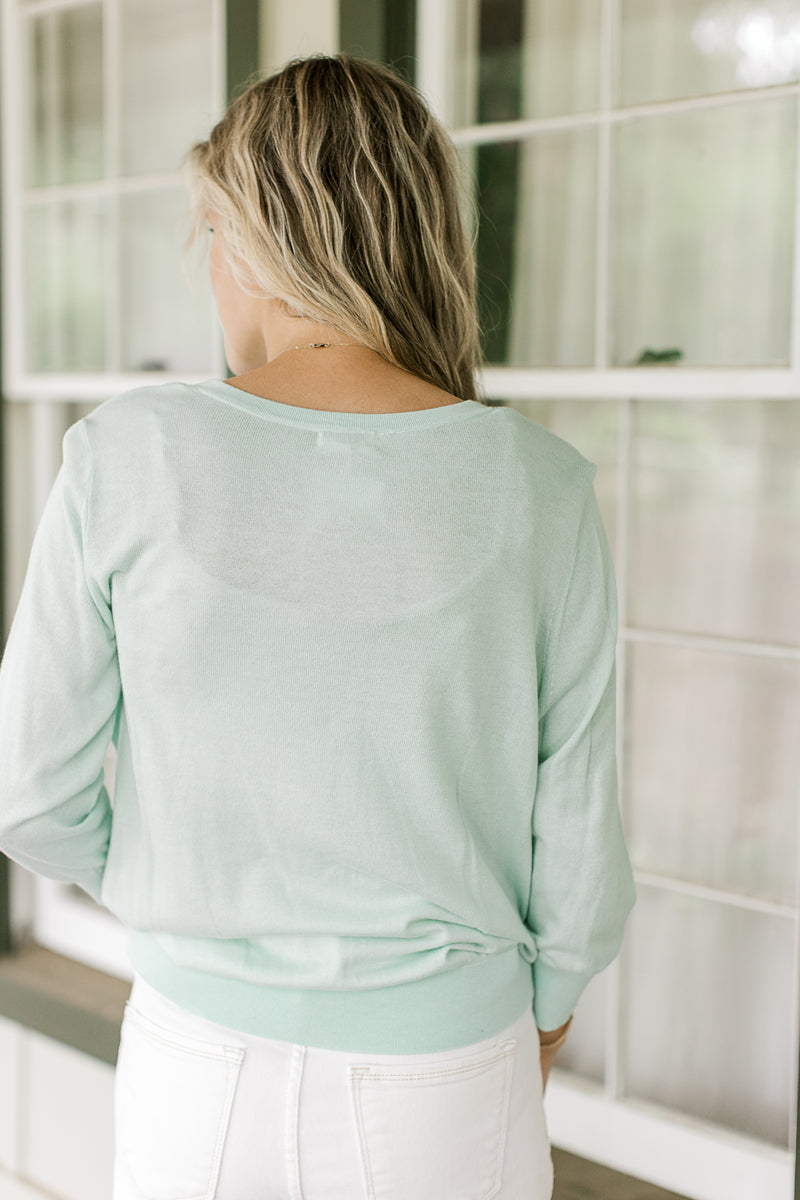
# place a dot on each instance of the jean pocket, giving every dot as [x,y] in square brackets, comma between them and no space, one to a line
[434,1131]
[173,1097]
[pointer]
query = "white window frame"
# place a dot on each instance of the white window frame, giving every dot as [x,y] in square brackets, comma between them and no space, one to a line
[671,1149]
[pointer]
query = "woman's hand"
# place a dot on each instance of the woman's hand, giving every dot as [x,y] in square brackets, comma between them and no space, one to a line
[550,1041]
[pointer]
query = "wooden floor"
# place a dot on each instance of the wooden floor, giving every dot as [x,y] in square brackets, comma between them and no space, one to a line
[577,1179]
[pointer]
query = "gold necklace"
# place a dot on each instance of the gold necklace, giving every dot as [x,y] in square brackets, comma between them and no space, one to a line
[317,345]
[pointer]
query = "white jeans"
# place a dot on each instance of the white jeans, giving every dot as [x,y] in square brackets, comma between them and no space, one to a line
[203,1112]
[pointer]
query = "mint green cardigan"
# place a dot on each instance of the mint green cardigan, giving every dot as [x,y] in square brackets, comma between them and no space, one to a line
[359,672]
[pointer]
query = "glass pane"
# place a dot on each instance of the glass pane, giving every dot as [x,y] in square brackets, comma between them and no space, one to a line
[711,1012]
[673,48]
[712,763]
[583,1052]
[166,81]
[165,325]
[703,235]
[65,109]
[536,249]
[65,301]
[715,518]
[592,427]
[534,59]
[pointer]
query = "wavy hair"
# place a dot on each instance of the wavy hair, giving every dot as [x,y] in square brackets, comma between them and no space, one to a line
[342,195]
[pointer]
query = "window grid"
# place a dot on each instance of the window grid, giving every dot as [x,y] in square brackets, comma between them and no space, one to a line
[20,384]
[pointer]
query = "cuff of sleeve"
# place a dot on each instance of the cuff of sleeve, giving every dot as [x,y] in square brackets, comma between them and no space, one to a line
[93,885]
[555,993]
[91,880]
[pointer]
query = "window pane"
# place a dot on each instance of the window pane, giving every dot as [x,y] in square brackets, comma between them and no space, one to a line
[583,1052]
[534,59]
[712,762]
[715,518]
[560,58]
[65,286]
[710,1011]
[165,326]
[536,248]
[65,109]
[703,235]
[673,48]
[166,81]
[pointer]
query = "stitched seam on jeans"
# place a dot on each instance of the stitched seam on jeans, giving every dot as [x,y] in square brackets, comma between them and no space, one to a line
[379,1073]
[503,1133]
[230,1054]
[224,1124]
[356,1079]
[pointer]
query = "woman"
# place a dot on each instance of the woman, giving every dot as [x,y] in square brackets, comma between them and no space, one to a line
[352,633]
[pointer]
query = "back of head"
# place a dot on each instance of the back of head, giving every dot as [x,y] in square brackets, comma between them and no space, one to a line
[341,194]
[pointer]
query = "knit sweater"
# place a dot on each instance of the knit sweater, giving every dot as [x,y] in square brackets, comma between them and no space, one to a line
[359,673]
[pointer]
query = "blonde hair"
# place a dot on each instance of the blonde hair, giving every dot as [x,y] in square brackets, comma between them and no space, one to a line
[341,195]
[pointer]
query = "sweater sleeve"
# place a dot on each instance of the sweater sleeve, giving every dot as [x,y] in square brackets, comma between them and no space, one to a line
[60,694]
[582,888]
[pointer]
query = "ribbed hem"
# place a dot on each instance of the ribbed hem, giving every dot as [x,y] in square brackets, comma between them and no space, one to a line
[319,418]
[555,994]
[441,1012]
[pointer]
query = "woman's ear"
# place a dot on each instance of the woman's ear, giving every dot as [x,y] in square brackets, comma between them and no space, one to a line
[287,310]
